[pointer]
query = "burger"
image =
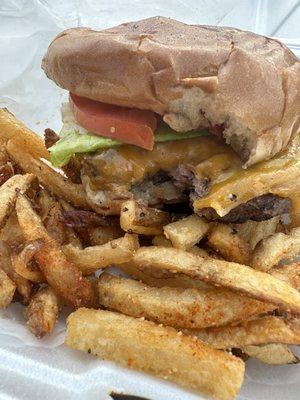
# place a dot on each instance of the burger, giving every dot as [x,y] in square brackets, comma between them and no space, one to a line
[176,115]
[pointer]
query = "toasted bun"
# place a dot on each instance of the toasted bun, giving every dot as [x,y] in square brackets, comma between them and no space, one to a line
[192,75]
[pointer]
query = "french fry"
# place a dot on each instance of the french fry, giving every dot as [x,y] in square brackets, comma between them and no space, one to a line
[20,262]
[275,248]
[181,281]
[104,234]
[42,312]
[156,261]
[90,259]
[62,275]
[7,290]
[161,240]
[177,307]
[253,232]
[186,232]
[11,233]
[11,128]
[47,176]
[289,273]
[225,240]
[24,287]
[137,218]
[140,344]
[258,331]
[273,354]
[54,224]
[8,194]
[45,202]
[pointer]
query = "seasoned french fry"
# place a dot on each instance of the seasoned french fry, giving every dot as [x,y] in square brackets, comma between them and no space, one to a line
[104,234]
[140,344]
[11,233]
[258,331]
[7,289]
[253,232]
[181,281]
[137,218]
[48,177]
[45,201]
[20,262]
[273,354]
[181,308]
[276,248]
[289,273]
[42,312]
[24,287]
[54,224]
[156,261]
[225,240]
[90,259]
[8,194]
[186,232]
[11,128]
[161,240]
[62,275]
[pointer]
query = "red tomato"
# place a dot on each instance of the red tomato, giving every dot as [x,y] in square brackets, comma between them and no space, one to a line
[128,125]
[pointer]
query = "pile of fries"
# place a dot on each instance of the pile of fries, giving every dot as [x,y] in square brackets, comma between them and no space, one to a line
[191,306]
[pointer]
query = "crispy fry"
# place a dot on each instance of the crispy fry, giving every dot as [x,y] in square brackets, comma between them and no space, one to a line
[140,344]
[90,259]
[11,128]
[259,331]
[48,177]
[181,281]
[161,240]
[156,260]
[81,219]
[42,312]
[104,234]
[253,232]
[24,287]
[7,289]
[11,233]
[62,275]
[8,194]
[186,232]
[137,218]
[225,240]
[273,354]
[276,248]
[289,273]
[45,202]
[181,308]
[55,225]
[21,262]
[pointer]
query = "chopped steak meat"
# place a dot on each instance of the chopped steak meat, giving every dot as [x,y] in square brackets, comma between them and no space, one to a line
[259,208]
[184,178]
[50,138]
[87,219]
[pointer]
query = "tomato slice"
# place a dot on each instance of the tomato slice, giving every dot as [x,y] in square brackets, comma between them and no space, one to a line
[128,125]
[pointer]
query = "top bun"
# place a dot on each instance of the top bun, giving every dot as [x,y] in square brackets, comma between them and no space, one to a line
[192,75]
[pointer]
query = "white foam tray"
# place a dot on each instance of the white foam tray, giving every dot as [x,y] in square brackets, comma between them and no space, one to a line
[32,369]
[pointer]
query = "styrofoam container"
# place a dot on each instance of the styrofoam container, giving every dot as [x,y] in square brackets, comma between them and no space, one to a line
[32,369]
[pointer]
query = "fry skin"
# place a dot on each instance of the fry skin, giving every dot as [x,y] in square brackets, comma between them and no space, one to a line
[158,350]
[62,275]
[158,261]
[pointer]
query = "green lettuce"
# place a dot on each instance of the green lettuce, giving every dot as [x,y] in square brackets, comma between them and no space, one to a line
[74,140]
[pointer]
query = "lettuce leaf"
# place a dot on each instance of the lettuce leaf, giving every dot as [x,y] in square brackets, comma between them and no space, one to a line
[74,140]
